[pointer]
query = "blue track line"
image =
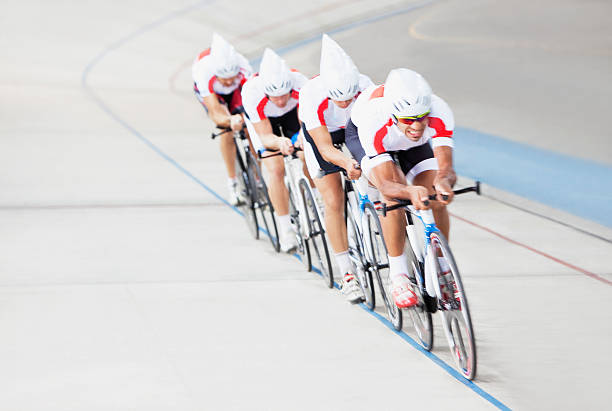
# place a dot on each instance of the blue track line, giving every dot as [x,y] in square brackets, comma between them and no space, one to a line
[180,12]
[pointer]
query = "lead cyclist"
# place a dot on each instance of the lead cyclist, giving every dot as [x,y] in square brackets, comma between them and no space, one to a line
[325,106]
[218,75]
[402,134]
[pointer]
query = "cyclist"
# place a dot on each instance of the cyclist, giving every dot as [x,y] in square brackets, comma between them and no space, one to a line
[270,101]
[392,130]
[218,74]
[325,106]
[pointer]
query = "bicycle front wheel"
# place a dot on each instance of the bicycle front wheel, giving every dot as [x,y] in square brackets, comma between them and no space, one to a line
[379,263]
[245,196]
[316,234]
[454,310]
[262,202]
[419,314]
[357,255]
[303,249]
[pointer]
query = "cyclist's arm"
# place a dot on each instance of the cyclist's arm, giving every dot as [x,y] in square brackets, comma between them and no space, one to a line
[269,139]
[218,113]
[391,183]
[446,177]
[443,122]
[324,143]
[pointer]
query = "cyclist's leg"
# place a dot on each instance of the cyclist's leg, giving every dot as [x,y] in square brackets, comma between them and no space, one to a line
[394,232]
[329,184]
[228,151]
[394,224]
[330,187]
[279,195]
[226,142]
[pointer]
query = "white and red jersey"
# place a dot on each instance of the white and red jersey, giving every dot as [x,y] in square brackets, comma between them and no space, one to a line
[259,107]
[379,134]
[203,72]
[317,110]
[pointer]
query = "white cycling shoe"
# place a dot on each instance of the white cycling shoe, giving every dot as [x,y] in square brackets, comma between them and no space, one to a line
[234,196]
[351,289]
[401,291]
[288,241]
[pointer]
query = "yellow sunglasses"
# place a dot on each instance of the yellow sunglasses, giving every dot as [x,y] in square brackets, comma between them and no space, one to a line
[411,119]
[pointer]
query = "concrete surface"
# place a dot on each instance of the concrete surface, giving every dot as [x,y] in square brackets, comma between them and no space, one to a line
[126,285]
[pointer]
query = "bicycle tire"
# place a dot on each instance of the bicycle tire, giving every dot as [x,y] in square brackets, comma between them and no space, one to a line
[246,203]
[455,311]
[379,263]
[316,234]
[419,314]
[357,255]
[262,202]
[303,249]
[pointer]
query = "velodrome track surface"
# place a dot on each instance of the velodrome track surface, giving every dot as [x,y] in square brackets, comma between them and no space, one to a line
[127,284]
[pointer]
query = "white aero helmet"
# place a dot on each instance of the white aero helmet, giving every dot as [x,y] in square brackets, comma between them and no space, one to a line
[407,93]
[338,72]
[275,75]
[225,57]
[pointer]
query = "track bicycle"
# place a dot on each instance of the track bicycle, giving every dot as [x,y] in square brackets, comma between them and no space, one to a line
[252,190]
[437,283]
[306,218]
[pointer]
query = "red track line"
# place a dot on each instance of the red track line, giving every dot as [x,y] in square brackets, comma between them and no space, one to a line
[543,254]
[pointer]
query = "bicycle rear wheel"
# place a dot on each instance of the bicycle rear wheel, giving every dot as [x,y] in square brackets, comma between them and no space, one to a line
[357,255]
[454,310]
[245,194]
[379,263]
[303,249]
[316,234]
[262,202]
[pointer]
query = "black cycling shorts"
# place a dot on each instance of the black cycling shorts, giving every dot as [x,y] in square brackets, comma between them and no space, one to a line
[327,167]
[286,125]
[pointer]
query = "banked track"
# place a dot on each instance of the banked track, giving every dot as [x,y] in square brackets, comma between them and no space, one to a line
[124,123]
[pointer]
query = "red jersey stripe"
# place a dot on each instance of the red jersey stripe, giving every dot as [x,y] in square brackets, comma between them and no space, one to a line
[260,108]
[438,125]
[322,107]
[378,92]
[211,82]
[204,54]
[378,137]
